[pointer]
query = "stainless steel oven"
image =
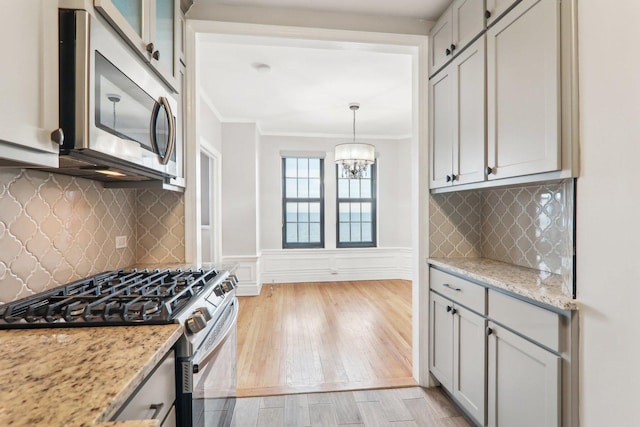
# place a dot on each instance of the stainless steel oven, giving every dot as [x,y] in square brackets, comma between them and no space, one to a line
[214,371]
[118,118]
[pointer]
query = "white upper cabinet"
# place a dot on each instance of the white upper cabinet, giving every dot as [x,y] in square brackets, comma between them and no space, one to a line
[29,84]
[455,29]
[152,27]
[457,120]
[523,90]
[496,8]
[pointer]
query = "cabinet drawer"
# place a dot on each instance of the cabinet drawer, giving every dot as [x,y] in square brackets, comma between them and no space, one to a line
[459,290]
[527,319]
[156,397]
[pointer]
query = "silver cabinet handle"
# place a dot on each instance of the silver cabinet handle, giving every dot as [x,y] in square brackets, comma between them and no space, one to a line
[157,407]
[57,136]
[446,285]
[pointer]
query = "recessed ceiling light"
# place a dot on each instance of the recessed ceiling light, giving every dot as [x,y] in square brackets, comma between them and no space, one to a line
[261,67]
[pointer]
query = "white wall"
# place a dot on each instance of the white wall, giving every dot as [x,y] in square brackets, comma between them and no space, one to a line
[239,190]
[394,188]
[608,213]
[209,126]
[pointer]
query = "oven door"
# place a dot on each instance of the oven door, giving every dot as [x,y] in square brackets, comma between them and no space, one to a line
[214,375]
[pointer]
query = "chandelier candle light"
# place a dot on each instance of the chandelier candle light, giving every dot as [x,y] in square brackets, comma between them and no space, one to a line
[355,157]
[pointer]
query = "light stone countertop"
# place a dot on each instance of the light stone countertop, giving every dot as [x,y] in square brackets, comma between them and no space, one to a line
[77,376]
[536,285]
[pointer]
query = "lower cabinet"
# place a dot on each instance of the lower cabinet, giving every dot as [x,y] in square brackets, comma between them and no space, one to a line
[506,362]
[523,383]
[457,356]
[155,398]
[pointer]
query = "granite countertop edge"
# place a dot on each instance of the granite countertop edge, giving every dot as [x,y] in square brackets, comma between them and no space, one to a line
[521,281]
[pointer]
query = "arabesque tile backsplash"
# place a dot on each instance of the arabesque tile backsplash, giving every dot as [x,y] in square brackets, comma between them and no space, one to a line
[55,229]
[530,226]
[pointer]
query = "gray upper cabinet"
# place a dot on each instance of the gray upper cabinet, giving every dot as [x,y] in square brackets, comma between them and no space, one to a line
[29,84]
[456,28]
[497,8]
[523,91]
[152,28]
[457,120]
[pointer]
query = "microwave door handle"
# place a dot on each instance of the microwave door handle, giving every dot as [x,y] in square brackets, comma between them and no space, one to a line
[164,158]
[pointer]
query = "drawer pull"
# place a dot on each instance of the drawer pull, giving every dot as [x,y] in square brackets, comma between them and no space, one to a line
[449,308]
[157,407]
[454,311]
[446,285]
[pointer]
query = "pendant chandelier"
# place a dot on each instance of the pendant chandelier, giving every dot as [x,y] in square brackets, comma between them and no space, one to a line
[355,157]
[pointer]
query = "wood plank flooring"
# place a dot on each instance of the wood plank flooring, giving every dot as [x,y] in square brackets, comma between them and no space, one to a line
[399,407]
[331,336]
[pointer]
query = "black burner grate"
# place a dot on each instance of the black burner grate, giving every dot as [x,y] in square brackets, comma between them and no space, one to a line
[113,298]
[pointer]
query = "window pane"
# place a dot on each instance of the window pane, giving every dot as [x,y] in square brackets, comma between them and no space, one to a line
[314,168]
[303,168]
[290,168]
[292,187]
[314,212]
[367,232]
[366,212]
[343,188]
[292,232]
[344,212]
[355,232]
[303,212]
[314,232]
[292,212]
[303,188]
[365,186]
[314,188]
[345,228]
[354,189]
[303,232]
[355,213]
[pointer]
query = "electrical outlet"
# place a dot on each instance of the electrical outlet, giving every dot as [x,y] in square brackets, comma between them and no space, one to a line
[121,242]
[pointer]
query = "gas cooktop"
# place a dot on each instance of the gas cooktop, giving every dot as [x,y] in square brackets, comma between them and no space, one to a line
[116,298]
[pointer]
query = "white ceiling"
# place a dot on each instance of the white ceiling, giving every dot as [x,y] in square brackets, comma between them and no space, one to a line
[311,83]
[309,86]
[425,9]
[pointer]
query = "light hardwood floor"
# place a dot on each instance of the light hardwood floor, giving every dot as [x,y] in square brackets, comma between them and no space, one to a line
[315,337]
[400,407]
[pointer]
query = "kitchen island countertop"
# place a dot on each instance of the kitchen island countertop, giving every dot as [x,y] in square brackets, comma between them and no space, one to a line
[77,376]
[532,284]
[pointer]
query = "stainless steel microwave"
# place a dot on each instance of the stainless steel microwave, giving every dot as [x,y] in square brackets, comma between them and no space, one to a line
[118,118]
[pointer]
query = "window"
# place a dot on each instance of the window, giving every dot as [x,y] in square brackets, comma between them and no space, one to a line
[357,211]
[303,203]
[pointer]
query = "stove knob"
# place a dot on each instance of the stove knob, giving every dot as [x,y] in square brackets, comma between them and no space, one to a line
[204,311]
[195,323]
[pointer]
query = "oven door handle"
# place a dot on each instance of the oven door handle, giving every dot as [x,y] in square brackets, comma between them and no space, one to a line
[199,363]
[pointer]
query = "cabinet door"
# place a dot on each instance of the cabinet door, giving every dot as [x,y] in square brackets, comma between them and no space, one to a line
[29,82]
[523,89]
[468,21]
[523,382]
[469,361]
[164,34]
[440,39]
[441,340]
[469,130]
[130,18]
[497,8]
[440,129]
